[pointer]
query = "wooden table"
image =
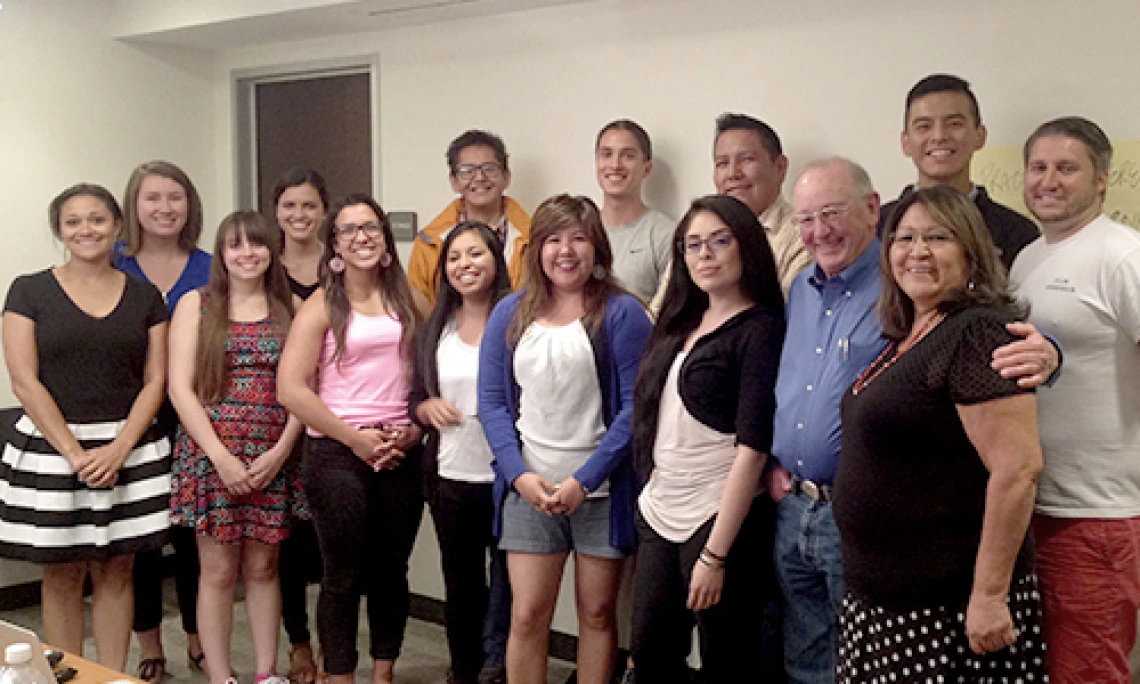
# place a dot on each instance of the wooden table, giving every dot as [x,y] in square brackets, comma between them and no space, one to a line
[92,673]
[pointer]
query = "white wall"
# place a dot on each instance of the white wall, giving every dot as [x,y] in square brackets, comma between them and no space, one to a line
[77,106]
[829,75]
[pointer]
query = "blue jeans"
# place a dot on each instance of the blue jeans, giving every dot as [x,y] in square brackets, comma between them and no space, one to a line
[808,567]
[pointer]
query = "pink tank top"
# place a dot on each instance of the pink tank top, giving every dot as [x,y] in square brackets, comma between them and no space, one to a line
[368,384]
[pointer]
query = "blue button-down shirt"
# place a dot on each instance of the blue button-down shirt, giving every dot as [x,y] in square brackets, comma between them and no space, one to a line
[833,335]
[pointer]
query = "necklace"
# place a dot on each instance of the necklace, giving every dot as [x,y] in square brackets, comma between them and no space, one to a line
[892,354]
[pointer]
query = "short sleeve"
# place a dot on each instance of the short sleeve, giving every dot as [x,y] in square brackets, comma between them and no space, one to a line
[756,406]
[663,244]
[1122,294]
[21,299]
[971,379]
[155,305]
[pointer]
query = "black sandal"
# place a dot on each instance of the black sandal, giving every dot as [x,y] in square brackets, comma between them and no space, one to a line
[152,670]
[195,661]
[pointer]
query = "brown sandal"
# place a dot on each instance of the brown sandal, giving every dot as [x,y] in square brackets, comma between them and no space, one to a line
[152,670]
[305,671]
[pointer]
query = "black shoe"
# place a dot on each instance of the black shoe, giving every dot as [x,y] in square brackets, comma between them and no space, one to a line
[493,674]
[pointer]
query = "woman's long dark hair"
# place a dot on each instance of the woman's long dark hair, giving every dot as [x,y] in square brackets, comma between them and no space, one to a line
[685,304]
[213,374]
[448,299]
[392,280]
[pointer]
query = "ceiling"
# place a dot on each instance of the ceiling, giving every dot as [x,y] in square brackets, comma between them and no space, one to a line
[225,24]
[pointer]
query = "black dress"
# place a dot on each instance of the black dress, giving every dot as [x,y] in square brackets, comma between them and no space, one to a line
[93,368]
[910,496]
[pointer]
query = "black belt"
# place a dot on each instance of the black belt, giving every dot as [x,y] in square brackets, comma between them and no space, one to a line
[817,492]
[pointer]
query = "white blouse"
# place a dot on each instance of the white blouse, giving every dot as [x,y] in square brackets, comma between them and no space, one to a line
[464,454]
[691,465]
[560,402]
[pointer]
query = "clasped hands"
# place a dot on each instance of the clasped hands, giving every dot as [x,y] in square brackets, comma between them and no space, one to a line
[384,447]
[549,498]
[241,479]
[98,468]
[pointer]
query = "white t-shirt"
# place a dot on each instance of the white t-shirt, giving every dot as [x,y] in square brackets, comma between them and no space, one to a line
[691,464]
[464,454]
[642,252]
[1085,291]
[560,402]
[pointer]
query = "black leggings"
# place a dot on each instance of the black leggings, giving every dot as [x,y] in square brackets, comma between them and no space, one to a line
[739,636]
[366,524]
[147,573]
[462,515]
[300,564]
[147,577]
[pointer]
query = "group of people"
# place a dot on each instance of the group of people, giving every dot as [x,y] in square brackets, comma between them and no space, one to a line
[825,431]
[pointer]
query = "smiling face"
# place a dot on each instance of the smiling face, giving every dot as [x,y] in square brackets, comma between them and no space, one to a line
[1062,187]
[836,224]
[300,212]
[926,259]
[712,255]
[87,228]
[941,137]
[245,259]
[568,259]
[162,206]
[480,178]
[359,237]
[621,165]
[743,169]
[470,265]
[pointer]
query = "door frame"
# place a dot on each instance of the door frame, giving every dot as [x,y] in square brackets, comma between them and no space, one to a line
[243,85]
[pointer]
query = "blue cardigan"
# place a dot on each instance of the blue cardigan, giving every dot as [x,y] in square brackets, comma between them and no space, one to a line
[617,345]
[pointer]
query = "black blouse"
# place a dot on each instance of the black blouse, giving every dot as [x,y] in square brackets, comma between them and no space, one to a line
[910,492]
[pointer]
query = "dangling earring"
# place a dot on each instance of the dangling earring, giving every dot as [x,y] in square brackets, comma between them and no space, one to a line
[970,286]
[385,260]
[599,272]
[336,264]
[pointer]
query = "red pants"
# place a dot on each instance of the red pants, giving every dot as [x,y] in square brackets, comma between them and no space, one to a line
[1089,570]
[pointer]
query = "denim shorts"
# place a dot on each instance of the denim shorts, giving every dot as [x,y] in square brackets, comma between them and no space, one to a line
[585,531]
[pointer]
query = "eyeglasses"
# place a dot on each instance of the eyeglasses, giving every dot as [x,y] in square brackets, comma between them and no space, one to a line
[691,245]
[492,170]
[828,216]
[932,240]
[348,231]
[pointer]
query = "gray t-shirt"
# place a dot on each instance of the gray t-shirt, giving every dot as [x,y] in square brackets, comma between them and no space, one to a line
[643,251]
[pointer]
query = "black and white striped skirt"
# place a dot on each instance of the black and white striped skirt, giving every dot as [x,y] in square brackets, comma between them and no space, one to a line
[47,515]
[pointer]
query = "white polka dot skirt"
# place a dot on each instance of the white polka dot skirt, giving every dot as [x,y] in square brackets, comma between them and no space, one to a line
[929,644]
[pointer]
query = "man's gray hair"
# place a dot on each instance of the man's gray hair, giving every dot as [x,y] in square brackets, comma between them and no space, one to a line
[860,179]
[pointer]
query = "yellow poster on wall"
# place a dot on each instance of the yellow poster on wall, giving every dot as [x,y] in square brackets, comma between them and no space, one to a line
[1001,170]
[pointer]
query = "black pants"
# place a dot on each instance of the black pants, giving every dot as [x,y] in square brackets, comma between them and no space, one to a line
[147,580]
[738,636]
[300,564]
[463,514]
[366,524]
